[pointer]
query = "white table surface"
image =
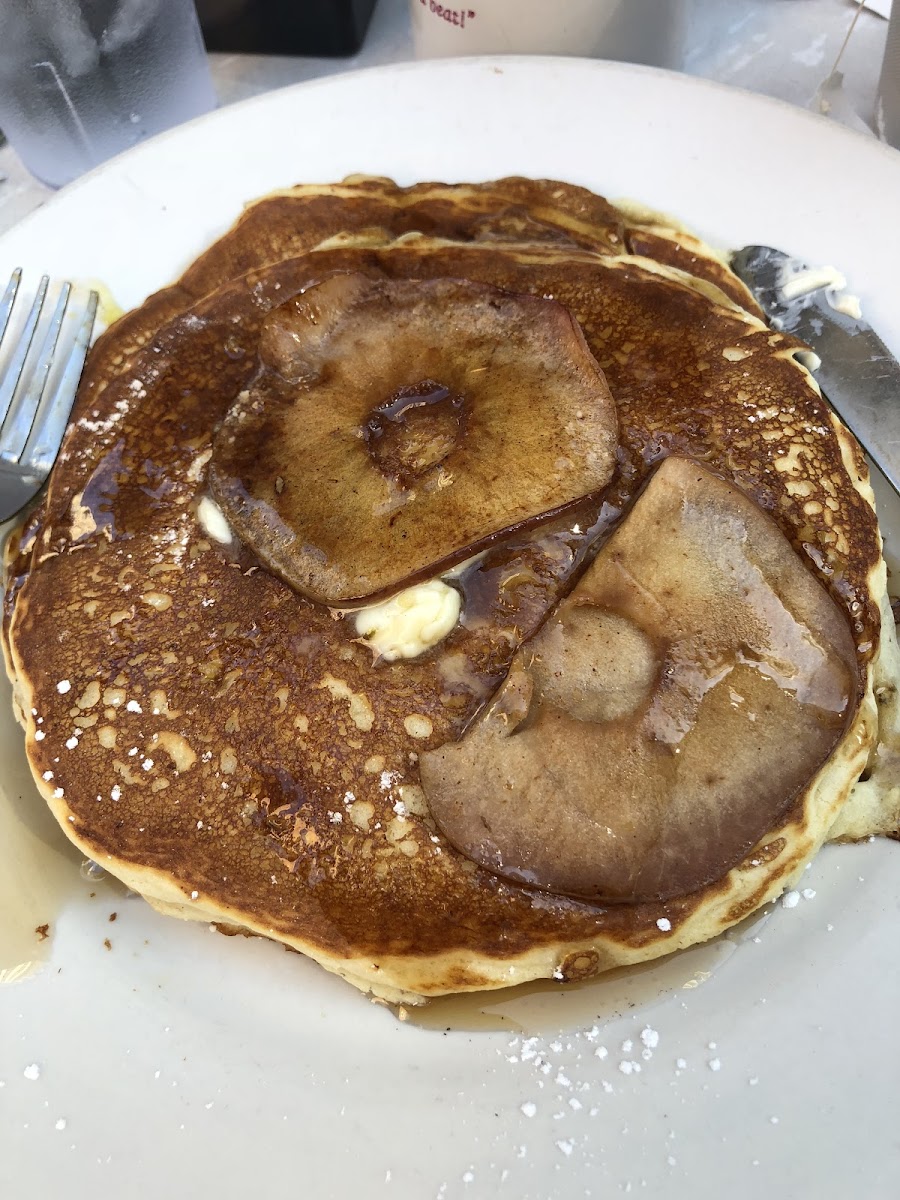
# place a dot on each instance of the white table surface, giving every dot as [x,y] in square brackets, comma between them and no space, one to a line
[783,48]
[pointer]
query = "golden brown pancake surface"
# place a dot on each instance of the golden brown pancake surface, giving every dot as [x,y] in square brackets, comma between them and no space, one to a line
[296,220]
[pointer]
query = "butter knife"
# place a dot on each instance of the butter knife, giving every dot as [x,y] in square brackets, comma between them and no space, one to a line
[857,373]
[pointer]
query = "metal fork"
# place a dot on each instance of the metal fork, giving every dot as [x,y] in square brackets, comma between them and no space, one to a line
[33,415]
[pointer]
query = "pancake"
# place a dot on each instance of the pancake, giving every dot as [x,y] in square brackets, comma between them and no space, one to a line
[231,750]
[290,222]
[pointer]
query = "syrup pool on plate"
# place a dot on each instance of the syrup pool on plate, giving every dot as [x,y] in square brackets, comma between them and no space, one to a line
[40,874]
[548,1007]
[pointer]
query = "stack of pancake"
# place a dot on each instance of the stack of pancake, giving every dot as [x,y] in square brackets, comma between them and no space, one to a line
[673,674]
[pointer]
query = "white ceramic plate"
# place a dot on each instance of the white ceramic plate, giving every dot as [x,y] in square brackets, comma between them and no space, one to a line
[178,1063]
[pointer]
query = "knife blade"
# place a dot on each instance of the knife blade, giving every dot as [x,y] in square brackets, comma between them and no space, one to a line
[857,374]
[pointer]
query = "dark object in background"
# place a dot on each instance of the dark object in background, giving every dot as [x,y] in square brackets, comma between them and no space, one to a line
[320,28]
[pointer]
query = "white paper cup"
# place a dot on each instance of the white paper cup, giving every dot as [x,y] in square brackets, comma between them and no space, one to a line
[643,31]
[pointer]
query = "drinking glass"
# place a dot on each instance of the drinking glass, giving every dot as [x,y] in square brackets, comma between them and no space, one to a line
[81,80]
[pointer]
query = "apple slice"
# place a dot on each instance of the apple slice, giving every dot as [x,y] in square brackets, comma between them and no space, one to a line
[665,717]
[397,427]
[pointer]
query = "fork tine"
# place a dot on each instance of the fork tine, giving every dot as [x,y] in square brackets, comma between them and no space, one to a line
[9,299]
[43,444]
[9,409]
[29,404]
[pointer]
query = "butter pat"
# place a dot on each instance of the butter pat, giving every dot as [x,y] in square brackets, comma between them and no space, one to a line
[846,303]
[800,283]
[797,283]
[411,622]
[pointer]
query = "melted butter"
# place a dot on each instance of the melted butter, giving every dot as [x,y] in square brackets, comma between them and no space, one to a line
[213,521]
[798,282]
[411,622]
[846,303]
[808,359]
[546,1007]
